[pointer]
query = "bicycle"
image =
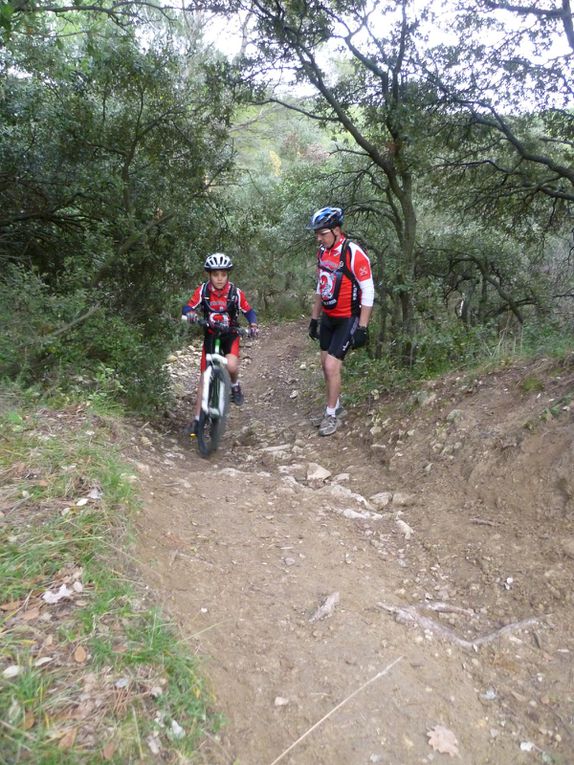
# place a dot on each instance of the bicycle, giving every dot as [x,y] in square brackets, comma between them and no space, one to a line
[216,392]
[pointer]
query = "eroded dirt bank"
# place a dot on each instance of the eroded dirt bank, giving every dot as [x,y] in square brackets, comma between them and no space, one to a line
[444,517]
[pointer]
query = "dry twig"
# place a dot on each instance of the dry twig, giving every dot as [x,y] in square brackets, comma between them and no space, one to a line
[339,705]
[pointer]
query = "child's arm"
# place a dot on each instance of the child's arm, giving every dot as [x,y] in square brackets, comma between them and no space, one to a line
[249,313]
[189,310]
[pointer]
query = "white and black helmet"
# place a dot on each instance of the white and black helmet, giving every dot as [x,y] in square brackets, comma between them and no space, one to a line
[218,262]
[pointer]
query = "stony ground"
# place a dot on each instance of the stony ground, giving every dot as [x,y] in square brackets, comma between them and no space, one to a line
[398,593]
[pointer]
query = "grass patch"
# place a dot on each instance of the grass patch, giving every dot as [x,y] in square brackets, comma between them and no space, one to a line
[531,384]
[88,672]
[367,378]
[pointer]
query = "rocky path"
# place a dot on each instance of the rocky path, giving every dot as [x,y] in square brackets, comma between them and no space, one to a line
[334,625]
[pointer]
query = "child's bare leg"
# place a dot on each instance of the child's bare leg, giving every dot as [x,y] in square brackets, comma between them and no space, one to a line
[232,367]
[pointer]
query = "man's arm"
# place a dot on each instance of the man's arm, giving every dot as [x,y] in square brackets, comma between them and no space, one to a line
[316,310]
[365,315]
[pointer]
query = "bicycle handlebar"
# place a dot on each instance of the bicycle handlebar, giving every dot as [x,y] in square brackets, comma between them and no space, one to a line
[219,330]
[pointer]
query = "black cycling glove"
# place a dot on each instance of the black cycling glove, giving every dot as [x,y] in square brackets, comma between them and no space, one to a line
[360,337]
[314,329]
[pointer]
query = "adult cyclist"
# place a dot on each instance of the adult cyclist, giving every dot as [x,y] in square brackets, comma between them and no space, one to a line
[343,304]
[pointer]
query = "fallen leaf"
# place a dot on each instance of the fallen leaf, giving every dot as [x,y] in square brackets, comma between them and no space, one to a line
[43,660]
[14,711]
[177,730]
[67,739]
[80,655]
[12,671]
[443,740]
[30,614]
[108,750]
[154,744]
[28,721]
[12,605]
[82,501]
[53,597]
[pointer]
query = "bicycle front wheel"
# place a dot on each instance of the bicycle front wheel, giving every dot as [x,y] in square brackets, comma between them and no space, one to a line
[212,424]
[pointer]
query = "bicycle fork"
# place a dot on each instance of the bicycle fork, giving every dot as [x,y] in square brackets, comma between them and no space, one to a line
[206,404]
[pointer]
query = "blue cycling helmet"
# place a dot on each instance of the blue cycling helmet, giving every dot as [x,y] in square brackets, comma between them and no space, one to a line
[326,217]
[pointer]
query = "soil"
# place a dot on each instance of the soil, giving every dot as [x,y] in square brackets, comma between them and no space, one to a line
[447,597]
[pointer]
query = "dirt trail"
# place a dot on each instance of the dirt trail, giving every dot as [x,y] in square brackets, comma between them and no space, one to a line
[244,548]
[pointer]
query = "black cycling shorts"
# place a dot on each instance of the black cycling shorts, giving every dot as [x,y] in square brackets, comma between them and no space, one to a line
[229,344]
[335,334]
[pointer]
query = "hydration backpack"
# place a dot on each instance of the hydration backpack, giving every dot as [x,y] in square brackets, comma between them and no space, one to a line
[343,269]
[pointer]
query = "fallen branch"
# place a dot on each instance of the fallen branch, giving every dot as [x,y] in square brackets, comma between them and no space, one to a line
[358,690]
[406,614]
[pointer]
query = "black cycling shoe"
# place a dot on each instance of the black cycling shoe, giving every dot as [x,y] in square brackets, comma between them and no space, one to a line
[237,396]
[191,430]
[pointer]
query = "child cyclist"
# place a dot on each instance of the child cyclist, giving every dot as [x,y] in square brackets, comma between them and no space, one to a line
[219,301]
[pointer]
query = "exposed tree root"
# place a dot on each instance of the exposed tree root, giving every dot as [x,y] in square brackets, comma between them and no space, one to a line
[407,614]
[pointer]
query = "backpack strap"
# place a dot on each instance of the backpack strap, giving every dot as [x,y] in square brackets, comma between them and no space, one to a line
[345,267]
[345,263]
[233,301]
[204,297]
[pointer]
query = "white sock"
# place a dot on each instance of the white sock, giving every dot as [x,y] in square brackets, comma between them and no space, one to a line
[331,411]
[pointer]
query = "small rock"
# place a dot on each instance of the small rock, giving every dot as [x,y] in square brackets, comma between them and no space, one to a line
[275,449]
[281,701]
[424,398]
[317,474]
[405,528]
[402,500]
[382,499]
[326,608]
[340,477]
[454,415]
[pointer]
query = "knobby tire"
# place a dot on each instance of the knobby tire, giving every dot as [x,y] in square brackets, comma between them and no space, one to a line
[211,428]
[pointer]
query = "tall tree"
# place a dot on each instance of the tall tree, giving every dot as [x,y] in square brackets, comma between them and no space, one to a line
[374,99]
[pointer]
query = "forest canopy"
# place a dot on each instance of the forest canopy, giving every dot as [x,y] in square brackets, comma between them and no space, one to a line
[131,147]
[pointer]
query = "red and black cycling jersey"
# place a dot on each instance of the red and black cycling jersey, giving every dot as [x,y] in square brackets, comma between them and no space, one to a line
[340,271]
[222,305]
